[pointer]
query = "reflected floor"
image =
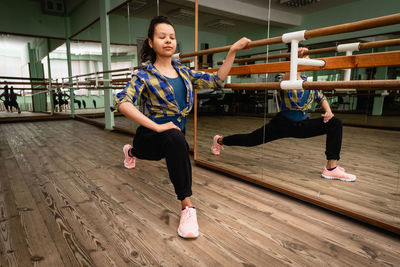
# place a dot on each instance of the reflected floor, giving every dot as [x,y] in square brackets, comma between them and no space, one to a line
[4,114]
[296,164]
[393,121]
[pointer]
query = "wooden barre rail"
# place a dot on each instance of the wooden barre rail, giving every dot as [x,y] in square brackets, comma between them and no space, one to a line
[342,62]
[342,28]
[362,46]
[22,78]
[354,26]
[30,83]
[262,42]
[116,70]
[324,86]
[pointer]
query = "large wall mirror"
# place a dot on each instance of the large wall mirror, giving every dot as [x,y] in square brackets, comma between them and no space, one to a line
[23,72]
[371,120]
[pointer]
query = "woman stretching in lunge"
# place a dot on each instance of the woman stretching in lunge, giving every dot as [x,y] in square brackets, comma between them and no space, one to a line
[293,121]
[166,88]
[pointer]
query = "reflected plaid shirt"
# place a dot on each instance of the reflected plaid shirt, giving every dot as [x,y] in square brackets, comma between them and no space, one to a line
[158,95]
[291,99]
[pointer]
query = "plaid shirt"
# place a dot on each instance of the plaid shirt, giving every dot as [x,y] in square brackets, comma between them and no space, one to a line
[291,99]
[158,94]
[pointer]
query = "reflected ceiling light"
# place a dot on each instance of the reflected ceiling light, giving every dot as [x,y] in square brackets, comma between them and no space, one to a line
[181,14]
[220,24]
[137,4]
[297,3]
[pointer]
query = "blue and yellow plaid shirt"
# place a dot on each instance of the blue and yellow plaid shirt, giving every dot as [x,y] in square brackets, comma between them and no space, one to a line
[292,99]
[158,95]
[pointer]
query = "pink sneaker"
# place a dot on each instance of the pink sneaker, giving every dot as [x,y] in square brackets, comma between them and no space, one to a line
[216,148]
[188,227]
[338,174]
[129,162]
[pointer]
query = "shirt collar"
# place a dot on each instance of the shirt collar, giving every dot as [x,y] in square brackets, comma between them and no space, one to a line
[148,65]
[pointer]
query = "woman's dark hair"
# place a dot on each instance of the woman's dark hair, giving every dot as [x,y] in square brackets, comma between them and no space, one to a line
[147,53]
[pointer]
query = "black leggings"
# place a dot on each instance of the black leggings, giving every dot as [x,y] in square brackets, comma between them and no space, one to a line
[6,104]
[172,146]
[14,104]
[281,127]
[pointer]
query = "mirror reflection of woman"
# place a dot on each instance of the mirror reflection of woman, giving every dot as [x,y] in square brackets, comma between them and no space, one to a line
[166,88]
[293,121]
[5,97]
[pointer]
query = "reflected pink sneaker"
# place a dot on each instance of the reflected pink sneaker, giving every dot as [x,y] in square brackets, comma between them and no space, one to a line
[216,148]
[129,162]
[188,227]
[338,174]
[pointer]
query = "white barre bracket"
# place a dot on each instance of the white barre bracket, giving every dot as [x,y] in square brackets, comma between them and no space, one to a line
[96,77]
[294,38]
[385,93]
[292,85]
[349,49]
[176,56]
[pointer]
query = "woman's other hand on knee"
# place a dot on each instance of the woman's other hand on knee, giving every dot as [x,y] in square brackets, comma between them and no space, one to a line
[327,116]
[166,126]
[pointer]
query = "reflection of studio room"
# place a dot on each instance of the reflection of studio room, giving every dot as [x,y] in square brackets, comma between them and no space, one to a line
[200,133]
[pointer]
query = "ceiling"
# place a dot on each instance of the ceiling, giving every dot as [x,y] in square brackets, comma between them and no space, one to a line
[241,14]
[317,5]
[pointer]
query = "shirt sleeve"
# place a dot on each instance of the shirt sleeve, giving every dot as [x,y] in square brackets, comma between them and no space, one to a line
[319,96]
[130,93]
[204,80]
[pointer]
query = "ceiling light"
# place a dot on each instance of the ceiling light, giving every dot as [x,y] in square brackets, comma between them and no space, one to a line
[181,14]
[297,3]
[137,4]
[220,24]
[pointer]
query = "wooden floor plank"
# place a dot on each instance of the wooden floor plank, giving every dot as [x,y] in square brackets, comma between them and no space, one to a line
[98,213]
[14,250]
[38,238]
[82,242]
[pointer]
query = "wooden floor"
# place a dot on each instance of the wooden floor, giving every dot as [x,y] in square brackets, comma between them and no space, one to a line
[4,114]
[296,164]
[66,200]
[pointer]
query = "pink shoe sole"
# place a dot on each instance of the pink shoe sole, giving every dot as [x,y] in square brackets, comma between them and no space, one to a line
[338,178]
[190,235]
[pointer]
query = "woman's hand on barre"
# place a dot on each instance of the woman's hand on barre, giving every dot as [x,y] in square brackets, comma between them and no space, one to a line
[302,50]
[230,57]
[240,44]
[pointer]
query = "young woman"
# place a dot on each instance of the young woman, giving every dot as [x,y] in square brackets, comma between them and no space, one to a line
[293,121]
[13,100]
[166,88]
[6,99]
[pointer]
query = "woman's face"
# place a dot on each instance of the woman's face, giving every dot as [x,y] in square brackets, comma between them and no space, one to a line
[164,42]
